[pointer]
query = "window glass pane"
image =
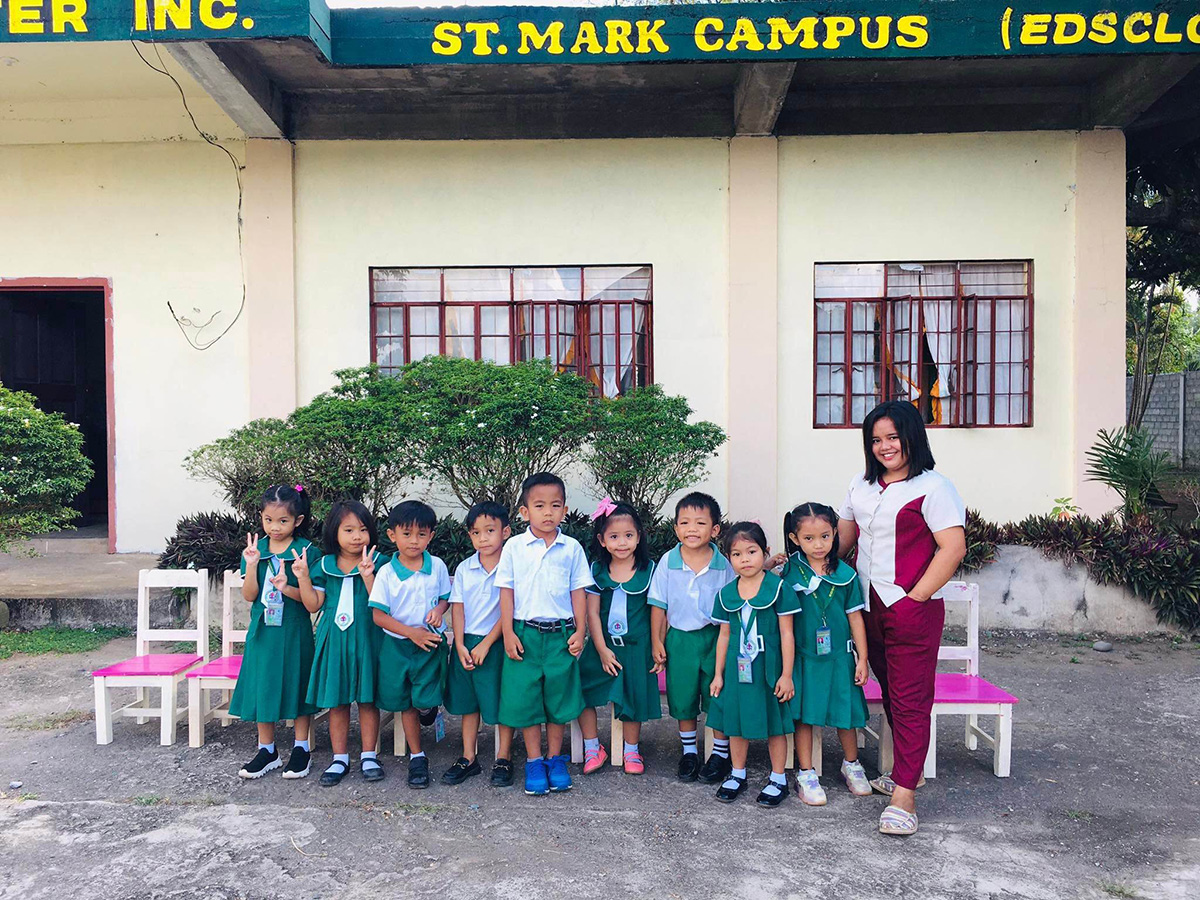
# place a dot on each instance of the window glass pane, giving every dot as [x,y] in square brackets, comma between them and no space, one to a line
[460,331]
[407,285]
[994,279]
[389,321]
[460,347]
[389,352]
[921,279]
[547,284]
[617,283]
[423,320]
[848,280]
[823,413]
[493,319]
[496,350]
[477,285]
[423,347]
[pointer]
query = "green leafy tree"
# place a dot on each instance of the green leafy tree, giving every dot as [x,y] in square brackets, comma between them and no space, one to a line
[644,448]
[245,463]
[481,428]
[42,469]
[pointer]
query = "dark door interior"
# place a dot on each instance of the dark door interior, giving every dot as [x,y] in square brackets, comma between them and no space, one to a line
[52,346]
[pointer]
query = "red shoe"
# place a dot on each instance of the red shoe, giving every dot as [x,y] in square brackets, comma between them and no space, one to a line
[594,759]
[634,765]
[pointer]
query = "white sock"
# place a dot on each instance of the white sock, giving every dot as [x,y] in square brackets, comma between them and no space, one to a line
[342,758]
[779,778]
[591,743]
[537,758]
[270,748]
[738,773]
[631,748]
[366,754]
[772,789]
[688,739]
[418,755]
[721,749]
[303,745]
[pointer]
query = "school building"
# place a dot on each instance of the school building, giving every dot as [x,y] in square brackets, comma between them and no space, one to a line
[785,212]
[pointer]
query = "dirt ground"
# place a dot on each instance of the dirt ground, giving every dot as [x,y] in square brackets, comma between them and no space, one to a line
[1104,800]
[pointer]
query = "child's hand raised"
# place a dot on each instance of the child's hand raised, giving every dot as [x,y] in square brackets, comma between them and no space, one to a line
[299,565]
[465,657]
[366,565]
[513,647]
[784,689]
[609,662]
[427,640]
[860,672]
[251,554]
[718,682]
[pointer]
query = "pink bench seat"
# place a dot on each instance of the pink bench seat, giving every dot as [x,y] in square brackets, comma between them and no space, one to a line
[223,667]
[953,687]
[151,664]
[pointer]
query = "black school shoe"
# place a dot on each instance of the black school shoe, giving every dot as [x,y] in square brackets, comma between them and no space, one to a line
[717,768]
[371,773]
[502,773]
[264,761]
[298,763]
[418,772]
[728,795]
[461,771]
[689,767]
[428,716]
[334,774]
[771,801]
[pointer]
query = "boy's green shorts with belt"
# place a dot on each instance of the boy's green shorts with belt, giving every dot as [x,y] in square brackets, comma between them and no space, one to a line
[476,691]
[543,686]
[691,665]
[408,676]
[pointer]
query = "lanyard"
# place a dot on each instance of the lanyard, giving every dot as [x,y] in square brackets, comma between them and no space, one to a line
[823,608]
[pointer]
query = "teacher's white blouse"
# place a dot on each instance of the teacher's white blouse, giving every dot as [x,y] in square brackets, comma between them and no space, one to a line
[896,524]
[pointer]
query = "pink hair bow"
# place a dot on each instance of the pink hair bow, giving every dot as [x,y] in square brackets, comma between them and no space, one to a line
[605,508]
[299,488]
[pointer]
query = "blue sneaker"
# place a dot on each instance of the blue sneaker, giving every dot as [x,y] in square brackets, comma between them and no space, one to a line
[535,777]
[560,777]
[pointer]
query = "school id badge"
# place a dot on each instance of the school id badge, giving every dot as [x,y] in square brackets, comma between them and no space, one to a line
[745,670]
[824,641]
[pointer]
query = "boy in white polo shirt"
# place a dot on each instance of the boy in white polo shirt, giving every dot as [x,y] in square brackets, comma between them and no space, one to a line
[683,633]
[473,685]
[408,600]
[542,575]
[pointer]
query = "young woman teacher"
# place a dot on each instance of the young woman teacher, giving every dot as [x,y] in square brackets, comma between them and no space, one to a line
[909,525]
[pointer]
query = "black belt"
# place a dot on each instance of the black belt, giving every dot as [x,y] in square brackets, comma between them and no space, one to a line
[563,625]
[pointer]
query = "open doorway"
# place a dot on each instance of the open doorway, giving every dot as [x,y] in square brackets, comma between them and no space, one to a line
[53,345]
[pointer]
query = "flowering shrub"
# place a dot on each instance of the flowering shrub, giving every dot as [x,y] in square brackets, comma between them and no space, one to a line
[42,469]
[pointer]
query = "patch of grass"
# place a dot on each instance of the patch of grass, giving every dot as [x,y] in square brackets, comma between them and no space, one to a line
[214,644]
[1117,889]
[147,800]
[27,796]
[1079,815]
[50,722]
[1074,659]
[56,639]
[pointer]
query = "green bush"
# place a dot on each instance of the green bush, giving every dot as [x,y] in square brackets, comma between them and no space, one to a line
[42,469]
[245,463]
[481,428]
[644,449]
[212,541]
[1125,460]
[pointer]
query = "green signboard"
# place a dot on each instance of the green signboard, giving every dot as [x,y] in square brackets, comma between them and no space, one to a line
[833,29]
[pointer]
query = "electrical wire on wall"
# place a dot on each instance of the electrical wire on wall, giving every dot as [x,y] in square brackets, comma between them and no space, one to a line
[193,330]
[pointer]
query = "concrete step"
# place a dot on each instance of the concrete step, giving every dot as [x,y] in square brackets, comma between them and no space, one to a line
[61,545]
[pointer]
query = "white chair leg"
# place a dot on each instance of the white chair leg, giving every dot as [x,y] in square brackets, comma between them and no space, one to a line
[791,762]
[104,725]
[616,737]
[708,742]
[818,750]
[399,745]
[196,717]
[226,697]
[166,730]
[886,757]
[972,739]
[143,698]
[576,742]
[1002,753]
[931,754]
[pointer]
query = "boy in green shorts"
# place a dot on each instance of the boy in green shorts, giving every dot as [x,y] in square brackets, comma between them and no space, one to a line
[683,633]
[473,686]
[541,576]
[408,600]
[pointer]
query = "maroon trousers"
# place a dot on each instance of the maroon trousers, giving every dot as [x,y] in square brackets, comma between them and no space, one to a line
[902,647]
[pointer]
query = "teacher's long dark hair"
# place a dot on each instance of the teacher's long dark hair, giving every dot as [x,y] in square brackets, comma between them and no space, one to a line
[910,428]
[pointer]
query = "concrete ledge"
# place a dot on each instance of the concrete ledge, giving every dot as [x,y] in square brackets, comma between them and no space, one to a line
[25,613]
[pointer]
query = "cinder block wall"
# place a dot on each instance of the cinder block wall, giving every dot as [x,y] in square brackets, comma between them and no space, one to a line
[1172,414]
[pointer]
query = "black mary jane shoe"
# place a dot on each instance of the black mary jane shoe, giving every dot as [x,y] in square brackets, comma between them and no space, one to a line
[716,769]
[461,771]
[371,773]
[418,772]
[334,774]
[502,773]
[771,801]
[689,767]
[727,794]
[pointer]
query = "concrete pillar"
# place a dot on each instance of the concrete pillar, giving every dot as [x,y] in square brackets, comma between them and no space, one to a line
[269,232]
[753,449]
[1099,304]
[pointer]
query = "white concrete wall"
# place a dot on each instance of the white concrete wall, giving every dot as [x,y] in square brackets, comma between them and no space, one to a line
[362,204]
[932,197]
[160,221]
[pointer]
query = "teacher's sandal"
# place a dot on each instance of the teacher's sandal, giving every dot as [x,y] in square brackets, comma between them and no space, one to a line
[895,820]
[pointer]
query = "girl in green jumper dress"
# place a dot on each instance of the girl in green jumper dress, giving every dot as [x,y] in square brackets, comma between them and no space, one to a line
[752,689]
[347,643]
[277,660]
[617,664]
[831,644]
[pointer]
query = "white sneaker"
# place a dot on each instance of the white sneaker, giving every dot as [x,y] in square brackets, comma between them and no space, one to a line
[809,788]
[856,778]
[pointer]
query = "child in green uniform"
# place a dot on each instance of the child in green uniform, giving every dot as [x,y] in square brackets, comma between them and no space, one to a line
[278,656]
[831,643]
[617,665]
[347,644]
[408,600]
[473,685]
[542,575]
[683,631]
[752,688]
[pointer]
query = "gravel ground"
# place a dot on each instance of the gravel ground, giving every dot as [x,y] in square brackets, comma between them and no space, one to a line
[1104,800]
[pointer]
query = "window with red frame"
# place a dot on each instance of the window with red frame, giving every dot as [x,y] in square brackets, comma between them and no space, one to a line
[954,338]
[592,320]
